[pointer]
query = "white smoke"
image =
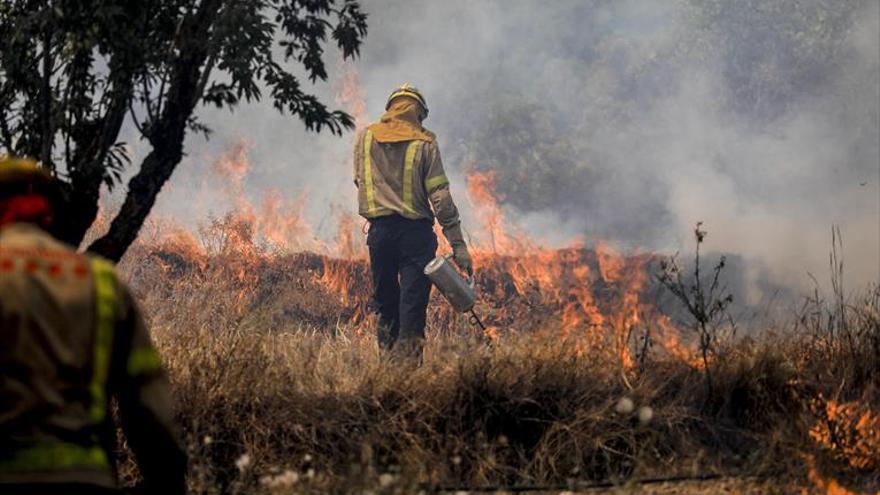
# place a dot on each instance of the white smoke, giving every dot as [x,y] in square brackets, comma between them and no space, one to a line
[667,113]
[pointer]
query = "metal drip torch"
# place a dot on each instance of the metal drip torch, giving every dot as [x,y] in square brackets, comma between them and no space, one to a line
[455,288]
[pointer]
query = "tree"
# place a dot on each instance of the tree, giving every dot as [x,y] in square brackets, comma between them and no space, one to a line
[72,73]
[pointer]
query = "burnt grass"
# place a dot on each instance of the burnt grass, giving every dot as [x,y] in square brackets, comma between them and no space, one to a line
[279,388]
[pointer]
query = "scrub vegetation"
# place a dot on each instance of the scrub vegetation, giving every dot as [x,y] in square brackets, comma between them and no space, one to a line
[283,405]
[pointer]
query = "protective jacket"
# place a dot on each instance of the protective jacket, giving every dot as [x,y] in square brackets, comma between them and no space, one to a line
[70,338]
[398,171]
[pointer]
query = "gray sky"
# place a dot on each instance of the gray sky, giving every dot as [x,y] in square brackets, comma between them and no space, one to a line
[759,118]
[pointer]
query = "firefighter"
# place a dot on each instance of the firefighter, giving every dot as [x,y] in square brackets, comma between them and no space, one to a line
[71,338]
[401,188]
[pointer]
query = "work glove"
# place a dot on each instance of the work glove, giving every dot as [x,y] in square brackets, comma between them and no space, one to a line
[460,253]
[462,258]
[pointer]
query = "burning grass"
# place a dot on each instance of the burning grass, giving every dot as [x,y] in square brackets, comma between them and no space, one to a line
[267,336]
[280,387]
[528,410]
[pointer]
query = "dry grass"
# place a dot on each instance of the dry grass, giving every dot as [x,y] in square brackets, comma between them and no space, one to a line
[275,405]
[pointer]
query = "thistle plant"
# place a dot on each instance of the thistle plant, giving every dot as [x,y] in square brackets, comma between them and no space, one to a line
[705,302]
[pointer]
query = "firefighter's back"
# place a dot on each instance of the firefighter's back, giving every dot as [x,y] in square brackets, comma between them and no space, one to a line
[55,359]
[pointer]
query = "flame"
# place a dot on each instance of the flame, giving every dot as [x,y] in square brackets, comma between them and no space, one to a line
[851,431]
[670,337]
[492,333]
[350,94]
[278,224]
[282,223]
[828,486]
[598,293]
[590,293]
[503,238]
[340,271]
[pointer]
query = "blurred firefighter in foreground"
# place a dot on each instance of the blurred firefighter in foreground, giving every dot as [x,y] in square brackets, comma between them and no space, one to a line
[70,339]
[400,179]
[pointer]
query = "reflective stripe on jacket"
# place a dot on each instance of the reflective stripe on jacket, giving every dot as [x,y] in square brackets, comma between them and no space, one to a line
[404,178]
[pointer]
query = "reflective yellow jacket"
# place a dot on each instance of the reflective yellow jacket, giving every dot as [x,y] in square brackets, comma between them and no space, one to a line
[70,338]
[405,178]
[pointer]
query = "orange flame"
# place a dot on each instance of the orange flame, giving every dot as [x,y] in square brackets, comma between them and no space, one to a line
[851,431]
[829,486]
[571,278]
[594,295]
[351,95]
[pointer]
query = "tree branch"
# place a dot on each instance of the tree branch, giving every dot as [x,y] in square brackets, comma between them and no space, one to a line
[167,136]
[4,130]
[93,139]
[46,104]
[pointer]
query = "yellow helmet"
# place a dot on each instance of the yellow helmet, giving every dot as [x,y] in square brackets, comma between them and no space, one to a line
[22,176]
[407,90]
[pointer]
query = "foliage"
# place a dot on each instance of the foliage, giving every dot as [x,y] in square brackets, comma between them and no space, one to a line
[73,73]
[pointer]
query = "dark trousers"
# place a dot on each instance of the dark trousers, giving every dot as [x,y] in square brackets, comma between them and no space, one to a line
[399,250]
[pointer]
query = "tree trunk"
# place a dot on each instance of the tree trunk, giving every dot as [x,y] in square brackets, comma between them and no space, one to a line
[143,188]
[81,209]
[167,138]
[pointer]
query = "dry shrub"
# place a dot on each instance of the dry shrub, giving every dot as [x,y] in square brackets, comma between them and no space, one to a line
[333,414]
[275,395]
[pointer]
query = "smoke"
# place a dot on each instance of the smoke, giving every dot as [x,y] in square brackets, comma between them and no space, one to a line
[623,120]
